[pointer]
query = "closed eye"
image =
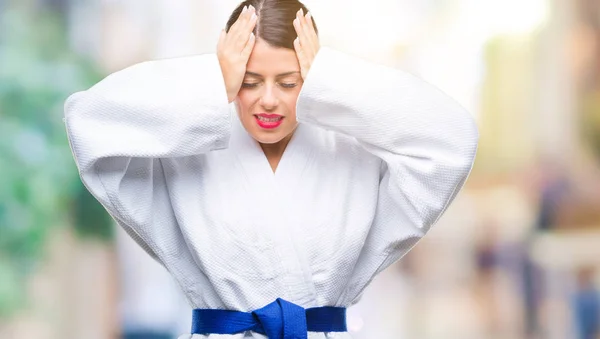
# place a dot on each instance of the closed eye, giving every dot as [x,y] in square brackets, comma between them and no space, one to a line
[249,85]
[255,84]
[288,85]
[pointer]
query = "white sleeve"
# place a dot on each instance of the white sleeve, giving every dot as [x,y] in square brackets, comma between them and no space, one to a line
[426,141]
[121,128]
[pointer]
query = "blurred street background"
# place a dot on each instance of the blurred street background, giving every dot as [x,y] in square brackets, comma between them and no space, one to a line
[517,256]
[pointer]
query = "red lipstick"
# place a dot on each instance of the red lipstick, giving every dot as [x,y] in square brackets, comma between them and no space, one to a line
[268,121]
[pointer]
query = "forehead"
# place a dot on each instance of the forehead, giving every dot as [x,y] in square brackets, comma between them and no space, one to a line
[270,61]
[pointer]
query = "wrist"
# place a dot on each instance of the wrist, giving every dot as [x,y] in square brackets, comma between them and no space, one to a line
[231,96]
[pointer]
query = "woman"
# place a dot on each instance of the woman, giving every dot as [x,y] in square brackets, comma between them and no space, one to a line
[274,179]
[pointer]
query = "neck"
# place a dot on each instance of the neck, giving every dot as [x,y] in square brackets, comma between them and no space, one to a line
[274,152]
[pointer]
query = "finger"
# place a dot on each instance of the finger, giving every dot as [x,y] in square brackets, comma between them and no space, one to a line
[304,39]
[296,24]
[247,32]
[239,19]
[308,34]
[298,20]
[249,46]
[311,27]
[237,27]
[251,22]
[252,16]
[242,33]
[307,39]
[298,28]
[248,22]
[302,60]
[298,49]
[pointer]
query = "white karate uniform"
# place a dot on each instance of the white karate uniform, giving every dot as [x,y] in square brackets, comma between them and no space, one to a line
[377,157]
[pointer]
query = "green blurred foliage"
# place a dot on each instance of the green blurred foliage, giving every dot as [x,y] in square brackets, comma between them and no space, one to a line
[39,186]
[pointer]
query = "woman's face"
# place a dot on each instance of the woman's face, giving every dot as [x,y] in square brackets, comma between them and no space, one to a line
[266,102]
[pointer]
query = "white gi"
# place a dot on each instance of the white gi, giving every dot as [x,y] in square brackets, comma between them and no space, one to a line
[377,157]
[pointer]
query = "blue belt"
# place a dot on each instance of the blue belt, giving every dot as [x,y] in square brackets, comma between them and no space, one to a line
[278,320]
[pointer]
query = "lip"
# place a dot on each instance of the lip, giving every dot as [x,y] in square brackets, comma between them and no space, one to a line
[269,116]
[268,124]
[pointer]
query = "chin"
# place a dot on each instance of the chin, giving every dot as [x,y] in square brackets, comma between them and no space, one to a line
[269,138]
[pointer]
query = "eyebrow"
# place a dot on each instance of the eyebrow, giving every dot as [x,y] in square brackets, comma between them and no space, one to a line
[277,76]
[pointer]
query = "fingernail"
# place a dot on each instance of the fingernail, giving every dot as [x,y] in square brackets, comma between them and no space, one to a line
[308,15]
[244,10]
[251,7]
[253,16]
[301,12]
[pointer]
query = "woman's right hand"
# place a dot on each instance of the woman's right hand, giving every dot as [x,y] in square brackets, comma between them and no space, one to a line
[233,51]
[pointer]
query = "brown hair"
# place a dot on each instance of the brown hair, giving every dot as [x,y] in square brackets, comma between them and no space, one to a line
[274,24]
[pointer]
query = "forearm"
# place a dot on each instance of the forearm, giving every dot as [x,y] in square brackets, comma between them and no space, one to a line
[166,108]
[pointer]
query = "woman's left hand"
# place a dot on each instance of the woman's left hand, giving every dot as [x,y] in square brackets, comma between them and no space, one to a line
[307,42]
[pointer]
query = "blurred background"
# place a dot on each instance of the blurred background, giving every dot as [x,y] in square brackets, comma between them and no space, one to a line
[517,256]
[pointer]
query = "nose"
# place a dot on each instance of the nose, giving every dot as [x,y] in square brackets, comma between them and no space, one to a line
[268,99]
